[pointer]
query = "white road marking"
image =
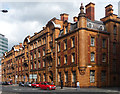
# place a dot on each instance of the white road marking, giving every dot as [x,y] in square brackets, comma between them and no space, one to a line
[112,91]
[34,89]
[15,89]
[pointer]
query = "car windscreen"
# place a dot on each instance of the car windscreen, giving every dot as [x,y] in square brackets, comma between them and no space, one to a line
[48,83]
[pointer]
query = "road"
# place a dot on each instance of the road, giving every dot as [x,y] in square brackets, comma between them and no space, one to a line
[15,89]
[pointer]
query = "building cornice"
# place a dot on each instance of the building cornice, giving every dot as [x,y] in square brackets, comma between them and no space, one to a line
[87,29]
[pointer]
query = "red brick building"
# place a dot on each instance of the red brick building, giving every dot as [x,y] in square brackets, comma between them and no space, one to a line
[86,51]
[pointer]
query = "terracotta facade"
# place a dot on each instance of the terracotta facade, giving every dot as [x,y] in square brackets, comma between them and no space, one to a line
[86,51]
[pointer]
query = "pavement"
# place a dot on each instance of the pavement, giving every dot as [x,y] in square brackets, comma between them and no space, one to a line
[15,89]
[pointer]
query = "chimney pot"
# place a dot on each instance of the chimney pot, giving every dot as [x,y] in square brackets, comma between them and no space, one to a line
[35,33]
[75,19]
[20,44]
[64,16]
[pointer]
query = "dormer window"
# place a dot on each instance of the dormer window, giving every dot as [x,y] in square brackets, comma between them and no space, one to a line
[90,25]
[101,28]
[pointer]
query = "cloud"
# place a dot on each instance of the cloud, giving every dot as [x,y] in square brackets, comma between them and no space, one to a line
[25,18]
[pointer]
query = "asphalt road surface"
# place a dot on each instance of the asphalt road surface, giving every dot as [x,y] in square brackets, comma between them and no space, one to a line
[15,89]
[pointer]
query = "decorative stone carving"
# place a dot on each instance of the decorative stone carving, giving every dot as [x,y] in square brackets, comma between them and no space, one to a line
[82,70]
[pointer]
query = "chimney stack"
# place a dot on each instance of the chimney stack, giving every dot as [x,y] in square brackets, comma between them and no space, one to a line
[35,33]
[64,16]
[108,10]
[20,44]
[90,11]
[75,19]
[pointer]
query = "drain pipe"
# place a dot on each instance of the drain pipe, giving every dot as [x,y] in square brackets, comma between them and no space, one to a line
[56,60]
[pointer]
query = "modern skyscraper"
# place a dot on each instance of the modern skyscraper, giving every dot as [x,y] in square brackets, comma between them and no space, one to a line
[119,8]
[0,74]
[3,45]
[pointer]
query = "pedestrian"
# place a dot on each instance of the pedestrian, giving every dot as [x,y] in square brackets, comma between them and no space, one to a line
[78,86]
[52,83]
[61,84]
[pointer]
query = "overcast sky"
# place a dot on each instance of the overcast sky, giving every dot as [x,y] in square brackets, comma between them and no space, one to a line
[25,18]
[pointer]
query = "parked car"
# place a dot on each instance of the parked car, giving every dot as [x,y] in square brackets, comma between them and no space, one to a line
[47,85]
[26,84]
[29,84]
[21,84]
[35,84]
[5,83]
[10,83]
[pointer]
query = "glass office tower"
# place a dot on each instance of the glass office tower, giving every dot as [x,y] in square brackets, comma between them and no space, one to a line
[3,45]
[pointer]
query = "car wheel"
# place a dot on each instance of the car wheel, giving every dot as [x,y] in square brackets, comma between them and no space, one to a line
[47,88]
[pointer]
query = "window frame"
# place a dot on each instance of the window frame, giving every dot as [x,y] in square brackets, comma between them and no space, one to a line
[65,44]
[65,59]
[44,52]
[103,43]
[59,61]
[73,76]
[92,41]
[59,47]
[73,42]
[104,57]
[66,29]
[92,76]
[66,76]
[73,57]
[92,53]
